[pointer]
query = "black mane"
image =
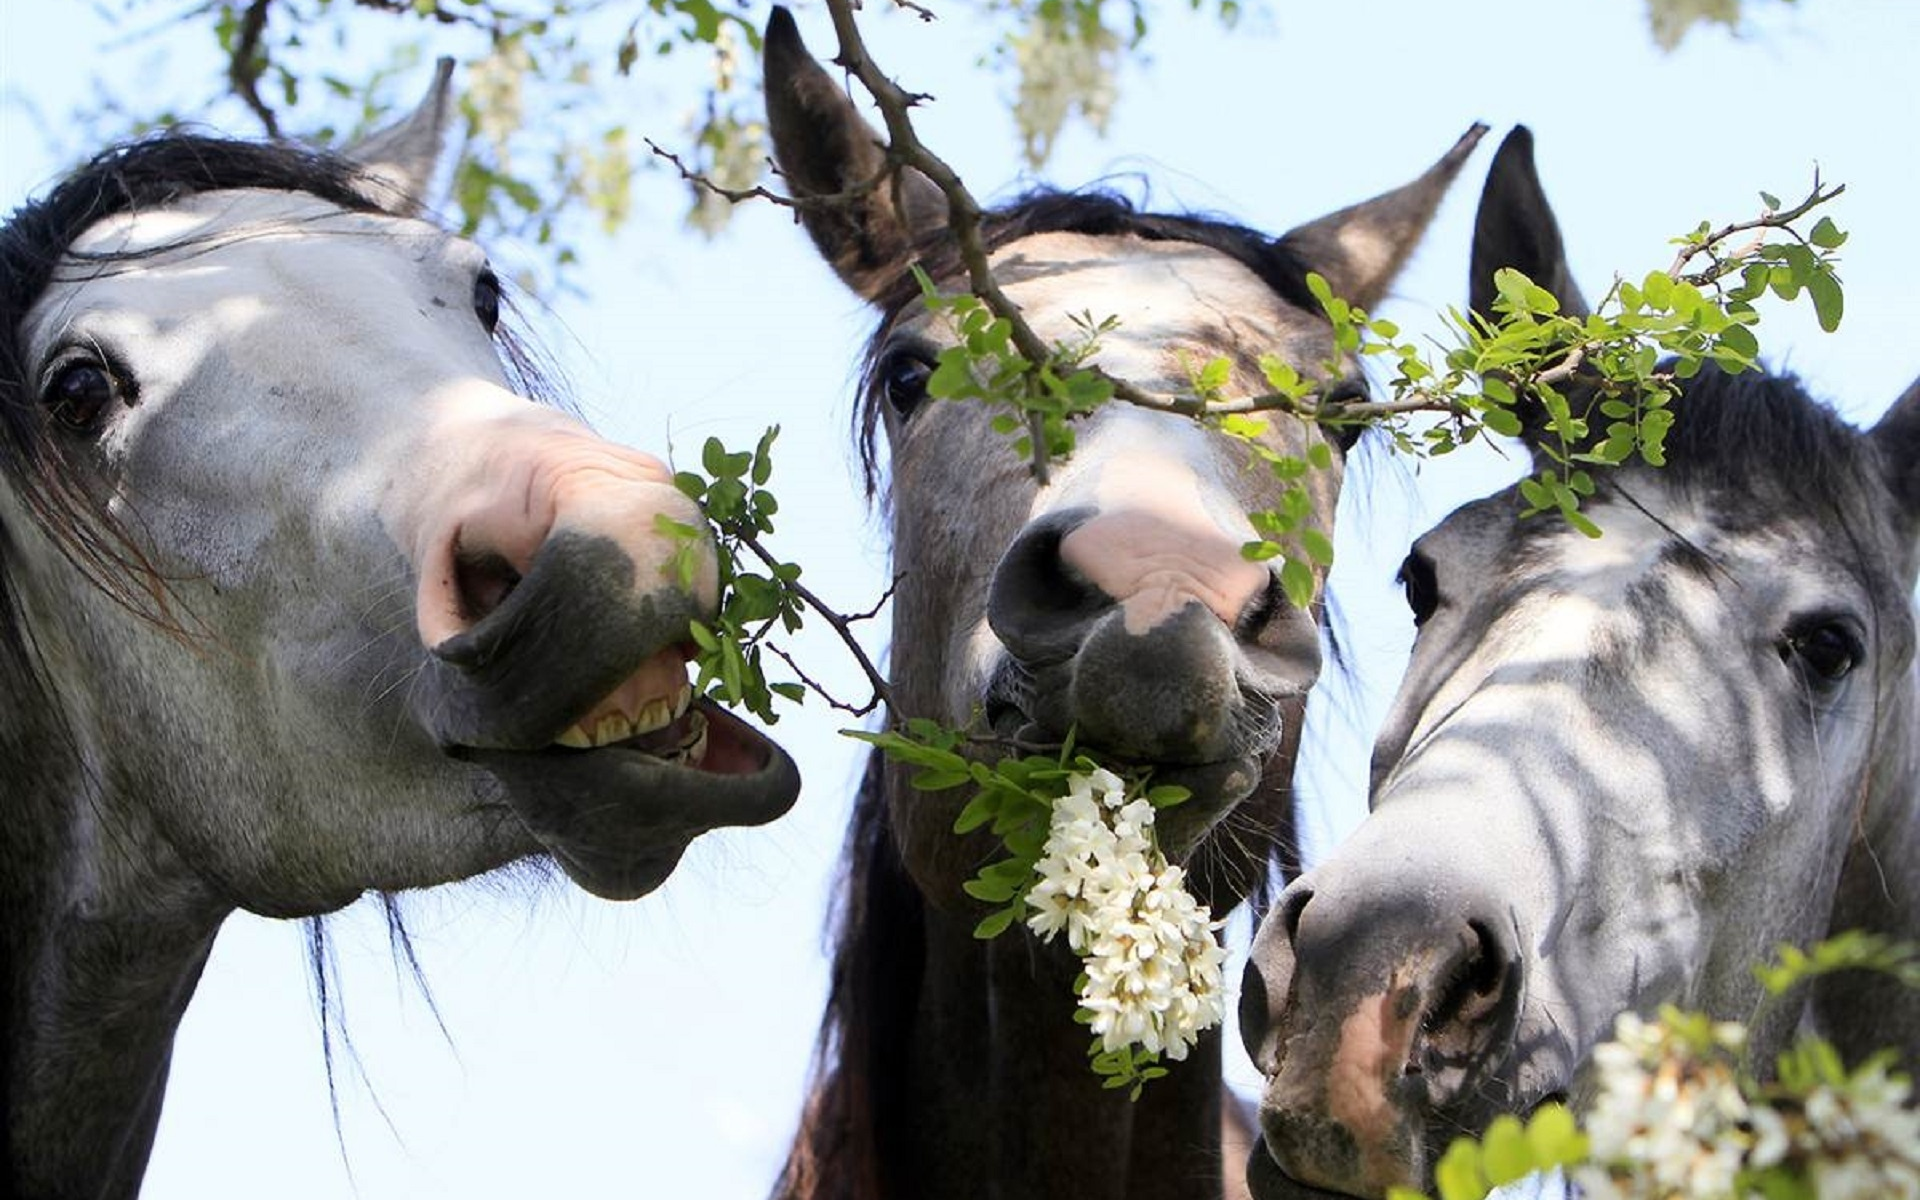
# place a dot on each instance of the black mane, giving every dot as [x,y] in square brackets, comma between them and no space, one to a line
[1095,213]
[1763,437]
[149,173]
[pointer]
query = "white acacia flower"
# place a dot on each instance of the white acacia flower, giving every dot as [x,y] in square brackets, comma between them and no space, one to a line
[1672,1118]
[1152,962]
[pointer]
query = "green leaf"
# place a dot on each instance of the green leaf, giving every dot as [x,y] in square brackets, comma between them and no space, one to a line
[1296,580]
[1555,1137]
[993,891]
[1828,303]
[762,458]
[1502,421]
[1213,376]
[939,780]
[1319,546]
[1458,1175]
[1827,235]
[997,923]
[1740,340]
[1506,1154]
[979,810]
[1167,795]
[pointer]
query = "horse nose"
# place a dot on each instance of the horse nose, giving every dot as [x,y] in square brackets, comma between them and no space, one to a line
[1373,1009]
[552,492]
[1071,567]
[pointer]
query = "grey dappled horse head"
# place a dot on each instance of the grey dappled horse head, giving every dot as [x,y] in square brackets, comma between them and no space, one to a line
[1111,602]
[299,596]
[1619,773]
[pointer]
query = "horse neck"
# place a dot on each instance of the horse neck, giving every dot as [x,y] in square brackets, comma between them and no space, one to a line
[103,945]
[1879,891]
[953,1069]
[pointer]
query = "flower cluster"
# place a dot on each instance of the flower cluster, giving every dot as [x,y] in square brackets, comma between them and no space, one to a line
[1152,962]
[1674,1118]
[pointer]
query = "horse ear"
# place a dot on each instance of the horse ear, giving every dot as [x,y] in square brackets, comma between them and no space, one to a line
[1897,436]
[825,148]
[397,163]
[1359,249]
[1515,227]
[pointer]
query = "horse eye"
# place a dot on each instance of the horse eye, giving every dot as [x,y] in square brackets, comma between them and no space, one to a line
[904,376]
[80,392]
[1827,651]
[486,299]
[1422,588]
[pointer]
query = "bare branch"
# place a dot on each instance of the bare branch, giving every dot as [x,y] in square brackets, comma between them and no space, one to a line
[731,195]
[1781,219]
[247,62]
[706,182]
[435,12]
[813,685]
[842,625]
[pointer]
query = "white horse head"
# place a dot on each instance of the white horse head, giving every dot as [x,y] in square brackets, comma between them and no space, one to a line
[302,598]
[1620,772]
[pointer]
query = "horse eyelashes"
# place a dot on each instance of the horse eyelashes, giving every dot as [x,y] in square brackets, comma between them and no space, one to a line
[1826,651]
[486,299]
[903,377]
[80,390]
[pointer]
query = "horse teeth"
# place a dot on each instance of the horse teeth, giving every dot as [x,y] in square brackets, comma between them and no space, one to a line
[614,727]
[695,747]
[575,738]
[682,700]
[654,714]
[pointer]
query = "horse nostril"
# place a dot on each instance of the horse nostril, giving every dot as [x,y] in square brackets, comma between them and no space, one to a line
[1260,611]
[1469,1012]
[1037,604]
[482,582]
[1292,905]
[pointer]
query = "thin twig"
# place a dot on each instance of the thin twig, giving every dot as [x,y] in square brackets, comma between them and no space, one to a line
[1781,219]
[246,64]
[434,12]
[843,626]
[813,685]
[706,183]
[925,14]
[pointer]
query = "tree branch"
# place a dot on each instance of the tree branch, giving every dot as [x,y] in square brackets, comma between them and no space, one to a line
[247,63]
[842,626]
[1782,219]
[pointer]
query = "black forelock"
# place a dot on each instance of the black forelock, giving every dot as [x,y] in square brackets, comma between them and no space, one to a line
[151,172]
[1763,437]
[1097,213]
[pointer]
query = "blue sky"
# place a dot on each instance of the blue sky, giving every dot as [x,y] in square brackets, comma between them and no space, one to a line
[659,1047]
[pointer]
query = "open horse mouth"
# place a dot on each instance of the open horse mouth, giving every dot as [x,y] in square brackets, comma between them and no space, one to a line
[622,789]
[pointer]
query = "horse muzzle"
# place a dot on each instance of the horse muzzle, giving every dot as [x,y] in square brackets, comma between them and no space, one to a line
[1385,1020]
[572,694]
[1148,645]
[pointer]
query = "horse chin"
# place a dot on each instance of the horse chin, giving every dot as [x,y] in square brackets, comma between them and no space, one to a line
[618,818]
[1266,1181]
[1216,785]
